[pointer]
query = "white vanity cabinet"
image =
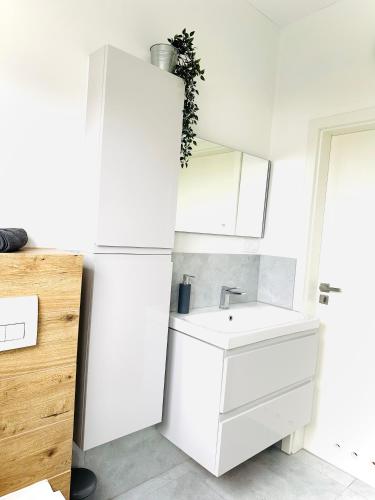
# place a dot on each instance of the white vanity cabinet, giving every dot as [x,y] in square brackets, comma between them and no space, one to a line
[224,406]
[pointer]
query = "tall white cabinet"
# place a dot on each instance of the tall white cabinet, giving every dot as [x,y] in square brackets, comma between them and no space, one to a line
[134,120]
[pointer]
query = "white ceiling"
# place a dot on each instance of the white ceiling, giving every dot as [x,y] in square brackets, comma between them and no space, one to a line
[283,12]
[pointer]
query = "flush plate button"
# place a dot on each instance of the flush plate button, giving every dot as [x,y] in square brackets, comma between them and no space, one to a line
[18,322]
[15,332]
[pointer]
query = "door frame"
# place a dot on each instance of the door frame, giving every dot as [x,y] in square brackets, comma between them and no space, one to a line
[320,136]
[321,131]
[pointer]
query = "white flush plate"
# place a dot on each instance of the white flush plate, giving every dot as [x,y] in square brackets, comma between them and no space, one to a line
[18,322]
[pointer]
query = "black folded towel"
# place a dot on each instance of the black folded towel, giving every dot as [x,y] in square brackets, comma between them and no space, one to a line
[12,239]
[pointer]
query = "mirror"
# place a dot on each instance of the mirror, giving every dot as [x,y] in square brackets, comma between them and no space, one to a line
[223,191]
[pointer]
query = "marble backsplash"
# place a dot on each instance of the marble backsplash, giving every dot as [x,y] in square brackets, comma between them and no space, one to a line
[276,280]
[211,271]
[264,278]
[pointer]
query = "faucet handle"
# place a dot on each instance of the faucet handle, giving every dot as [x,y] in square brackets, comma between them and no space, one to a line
[233,290]
[237,291]
[226,291]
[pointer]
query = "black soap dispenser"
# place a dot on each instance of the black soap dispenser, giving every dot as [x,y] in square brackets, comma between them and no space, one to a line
[184,294]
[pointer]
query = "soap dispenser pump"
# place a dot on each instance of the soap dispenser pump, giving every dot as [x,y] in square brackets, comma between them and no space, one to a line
[184,294]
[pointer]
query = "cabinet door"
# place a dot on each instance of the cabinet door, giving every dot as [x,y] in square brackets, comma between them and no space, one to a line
[208,193]
[258,372]
[252,200]
[127,345]
[141,138]
[244,435]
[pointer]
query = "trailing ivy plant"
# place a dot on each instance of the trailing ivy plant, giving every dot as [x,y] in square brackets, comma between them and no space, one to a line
[188,68]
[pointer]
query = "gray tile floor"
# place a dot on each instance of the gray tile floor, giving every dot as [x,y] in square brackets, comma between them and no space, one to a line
[145,466]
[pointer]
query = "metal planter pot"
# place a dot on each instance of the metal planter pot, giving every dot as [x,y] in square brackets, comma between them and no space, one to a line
[164,56]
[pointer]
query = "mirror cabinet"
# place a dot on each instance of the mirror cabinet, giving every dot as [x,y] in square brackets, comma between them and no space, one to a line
[223,191]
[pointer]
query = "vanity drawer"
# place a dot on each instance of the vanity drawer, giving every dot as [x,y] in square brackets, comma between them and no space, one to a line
[250,432]
[253,374]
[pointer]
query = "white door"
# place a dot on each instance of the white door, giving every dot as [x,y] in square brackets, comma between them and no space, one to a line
[343,429]
[127,345]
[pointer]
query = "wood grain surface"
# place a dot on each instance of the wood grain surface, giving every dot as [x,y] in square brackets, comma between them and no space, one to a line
[37,384]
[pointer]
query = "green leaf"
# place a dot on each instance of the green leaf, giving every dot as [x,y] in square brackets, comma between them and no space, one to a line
[188,68]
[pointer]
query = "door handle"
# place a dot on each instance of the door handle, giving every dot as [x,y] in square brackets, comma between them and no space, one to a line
[326,288]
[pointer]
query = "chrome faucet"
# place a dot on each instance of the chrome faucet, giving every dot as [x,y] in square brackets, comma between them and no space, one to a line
[226,291]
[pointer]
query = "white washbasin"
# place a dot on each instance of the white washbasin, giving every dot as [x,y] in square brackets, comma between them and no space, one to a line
[242,324]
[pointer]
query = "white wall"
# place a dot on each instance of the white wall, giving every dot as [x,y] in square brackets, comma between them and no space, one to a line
[326,67]
[44,48]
